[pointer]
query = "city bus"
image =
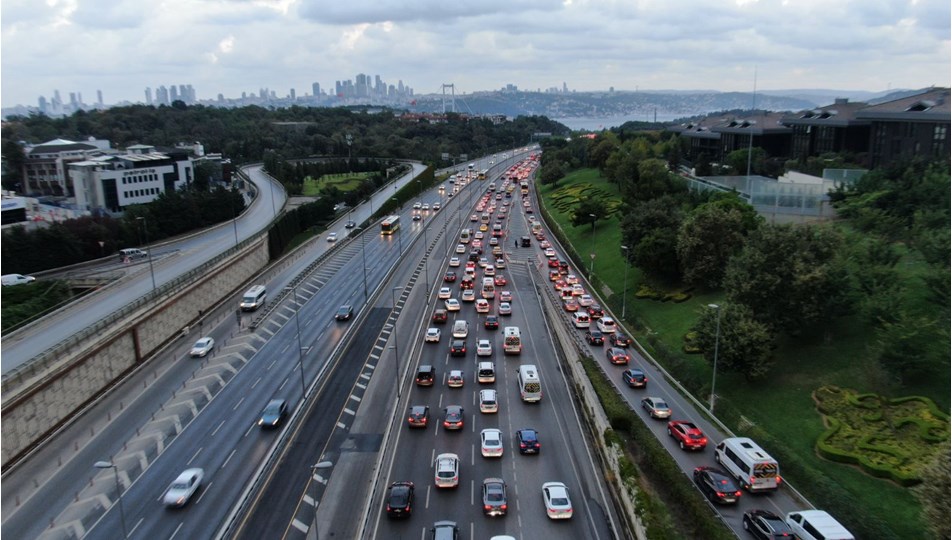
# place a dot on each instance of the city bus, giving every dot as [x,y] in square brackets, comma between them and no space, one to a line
[489,289]
[524,187]
[530,385]
[482,174]
[390,224]
[512,342]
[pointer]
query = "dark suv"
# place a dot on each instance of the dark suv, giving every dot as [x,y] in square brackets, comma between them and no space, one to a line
[418,416]
[458,348]
[425,376]
[766,525]
[528,441]
[635,378]
[525,241]
[440,316]
[400,500]
[617,339]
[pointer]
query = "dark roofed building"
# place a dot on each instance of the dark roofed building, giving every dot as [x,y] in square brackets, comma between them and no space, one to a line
[913,126]
[832,128]
[699,139]
[766,129]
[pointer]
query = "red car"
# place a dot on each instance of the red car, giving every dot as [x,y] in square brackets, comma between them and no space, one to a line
[688,435]
[553,263]
[500,280]
[449,277]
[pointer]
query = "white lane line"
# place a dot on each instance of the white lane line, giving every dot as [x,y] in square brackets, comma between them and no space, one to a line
[219,427]
[240,401]
[256,383]
[199,451]
[228,458]
[299,526]
[350,412]
[176,530]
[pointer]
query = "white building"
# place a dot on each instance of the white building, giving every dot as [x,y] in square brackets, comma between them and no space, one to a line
[44,169]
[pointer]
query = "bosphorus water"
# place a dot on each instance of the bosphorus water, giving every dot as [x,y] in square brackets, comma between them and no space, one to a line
[598,123]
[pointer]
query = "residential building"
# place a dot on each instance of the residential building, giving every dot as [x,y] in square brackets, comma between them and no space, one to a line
[910,127]
[829,129]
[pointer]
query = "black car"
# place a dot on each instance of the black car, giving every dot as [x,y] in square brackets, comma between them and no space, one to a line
[492,322]
[400,500]
[528,440]
[425,375]
[766,525]
[617,339]
[419,416]
[458,348]
[525,241]
[595,311]
[595,337]
[716,485]
[617,355]
[350,224]
[635,378]
[453,417]
[273,413]
[344,312]
[495,502]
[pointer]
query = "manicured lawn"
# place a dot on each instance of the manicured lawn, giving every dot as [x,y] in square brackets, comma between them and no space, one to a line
[343,182]
[781,405]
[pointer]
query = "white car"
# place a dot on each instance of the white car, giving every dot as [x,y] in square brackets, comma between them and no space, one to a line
[607,325]
[451,304]
[549,252]
[556,498]
[426,207]
[469,295]
[479,235]
[491,442]
[460,248]
[505,308]
[417,206]
[494,241]
[484,347]
[447,470]
[571,279]
[505,296]
[202,347]
[489,270]
[332,237]
[578,290]
[500,263]
[444,293]
[482,305]
[184,487]
[488,403]
[483,262]
[432,335]
[436,207]
[454,262]
[455,379]
[585,300]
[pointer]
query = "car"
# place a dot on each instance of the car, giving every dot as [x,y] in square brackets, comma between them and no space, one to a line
[618,339]
[9,280]
[451,304]
[445,293]
[500,280]
[765,525]
[560,284]
[528,441]
[458,348]
[594,337]
[482,305]
[688,435]
[460,248]
[529,209]
[350,224]
[656,407]
[716,485]
[491,322]
[344,312]
[471,265]
[585,300]
[483,227]
[554,275]
[444,530]
[447,470]
[491,442]
[489,270]
[549,252]
[474,217]
[454,262]
[332,237]
[483,262]
[617,356]
[554,263]
[418,416]
[433,335]
[595,311]
[449,276]
[453,417]
[202,347]
[505,308]
[571,279]
[635,378]
[425,375]
[505,296]
[607,325]
[417,217]
[455,379]
[183,487]
[488,402]
[469,295]
[417,206]
[495,502]
[578,290]
[545,244]
[556,498]
[426,208]
[477,245]
[400,500]
[494,241]
[440,316]
[570,305]
[484,347]
[273,413]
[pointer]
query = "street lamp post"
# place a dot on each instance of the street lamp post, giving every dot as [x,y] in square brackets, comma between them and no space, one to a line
[234,221]
[591,270]
[717,339]
[314,468]
[297,322]
[145,227]
[399,234]
[122,512]
[363,252]
[426,267]
[396,339]
[624,296]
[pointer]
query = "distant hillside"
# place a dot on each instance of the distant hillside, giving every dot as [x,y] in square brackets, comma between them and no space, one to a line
[607,104]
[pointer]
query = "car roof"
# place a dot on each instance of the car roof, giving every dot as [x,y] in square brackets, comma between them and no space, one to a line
[188,473]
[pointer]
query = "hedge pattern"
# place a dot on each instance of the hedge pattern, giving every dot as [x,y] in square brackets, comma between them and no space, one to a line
[566,198]
[887,438]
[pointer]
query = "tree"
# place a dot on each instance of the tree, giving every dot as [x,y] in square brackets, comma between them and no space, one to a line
[586,208]
[910,350]
[712,234]
[790,276]
[551,173]
[737,160]
[743,345]
[650,229]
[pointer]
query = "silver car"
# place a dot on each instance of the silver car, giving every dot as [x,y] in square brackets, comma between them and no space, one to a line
[202,347]
[184,487]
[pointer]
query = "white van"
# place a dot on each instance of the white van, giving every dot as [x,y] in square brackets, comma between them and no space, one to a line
[132,254]
[254,298]
[16,279]
[581,320]
[753,468]
[817,525]
[486,372]
[530,385]
[460,329]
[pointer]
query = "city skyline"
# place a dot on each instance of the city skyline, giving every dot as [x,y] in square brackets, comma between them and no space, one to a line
[227,47]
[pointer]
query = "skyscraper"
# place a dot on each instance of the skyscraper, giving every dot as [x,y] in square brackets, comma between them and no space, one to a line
[148,95]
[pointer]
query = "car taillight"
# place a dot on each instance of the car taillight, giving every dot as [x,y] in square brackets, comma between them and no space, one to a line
[504,507]
[388,508]
[446,423]
[487,507]
[779,479]
[522,445]
[737,493]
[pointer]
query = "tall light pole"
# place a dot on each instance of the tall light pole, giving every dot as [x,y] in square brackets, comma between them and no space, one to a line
[363,252]
[591,270]
[234,221]
[321,465]
[122,512]
[145,227]
[297,322]
[717,339]
[624,296]
[399,234]
[426,267]
[396,339]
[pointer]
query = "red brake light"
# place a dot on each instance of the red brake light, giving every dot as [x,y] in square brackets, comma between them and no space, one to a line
[487,507]
[737,493]
[504,506]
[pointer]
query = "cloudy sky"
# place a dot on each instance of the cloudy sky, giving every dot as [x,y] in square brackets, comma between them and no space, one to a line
[229,46]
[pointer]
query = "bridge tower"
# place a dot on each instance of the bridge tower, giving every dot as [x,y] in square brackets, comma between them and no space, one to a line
[452,97]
